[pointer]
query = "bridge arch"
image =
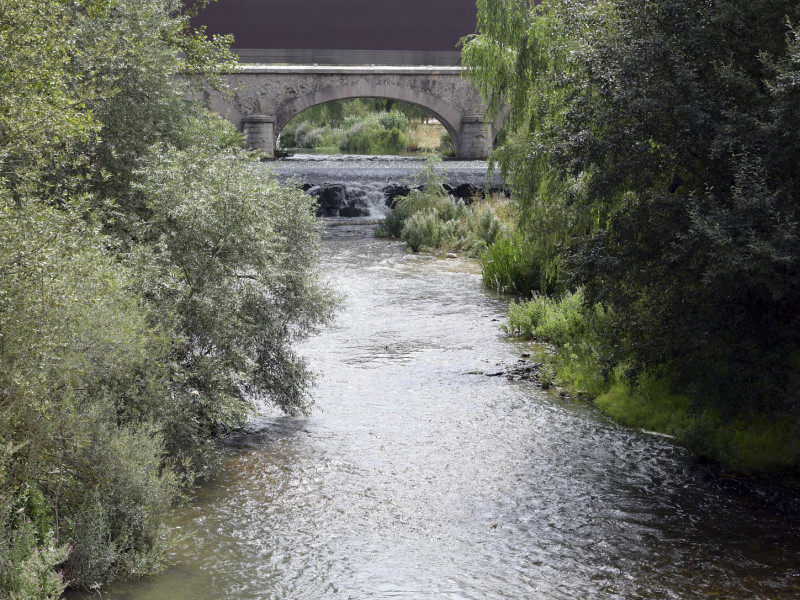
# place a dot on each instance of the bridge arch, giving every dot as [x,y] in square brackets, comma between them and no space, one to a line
[266,98]
[448,115]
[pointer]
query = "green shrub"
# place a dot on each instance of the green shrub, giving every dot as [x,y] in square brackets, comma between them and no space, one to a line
[361,133]
[508,266]
[37,576]
[429,218]
[29,555]
[755,446]
[368,136]
[484,223]
[151,286]
[391,226]
[247,285]
[74,339]
[424,229]
[117,530]
[446,145]
[287,138]
[392,141]
[559,321]
[359,138]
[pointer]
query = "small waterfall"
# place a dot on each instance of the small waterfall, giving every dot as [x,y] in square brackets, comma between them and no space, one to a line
[355,198]
[348,186]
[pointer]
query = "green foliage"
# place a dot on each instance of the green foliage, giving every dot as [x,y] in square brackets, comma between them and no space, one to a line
[236,258]
[446,145]
[654,148]
[429,219]
[357,126]
[430,178]
[393,120]
[29,556]
[36,575]
[151,285]
[371,136]
[754,446]
[391,226]
[423,229]
[508,267]
[115,525]
[576,331]
[578,361]
[649,404]
[561,322]
[74,339]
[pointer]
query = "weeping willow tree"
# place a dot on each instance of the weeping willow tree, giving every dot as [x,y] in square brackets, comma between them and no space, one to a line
[522,63]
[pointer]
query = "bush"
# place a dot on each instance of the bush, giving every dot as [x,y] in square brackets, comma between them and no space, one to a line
[424,229]
[483,226]
[663,183]
[74,340]
[428,218]
[446,146]
[151,285]
[393,120]
[508,265]
[561,321]
[369,136]
[117,530]
[29,555]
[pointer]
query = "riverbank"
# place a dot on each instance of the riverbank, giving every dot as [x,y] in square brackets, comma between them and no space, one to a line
[759,449]
[761,446]
[414,476]
[648,412]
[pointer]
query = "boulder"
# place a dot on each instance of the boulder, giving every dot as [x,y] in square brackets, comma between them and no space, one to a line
[353,211]
[393,191]
[330,197]
[466,192]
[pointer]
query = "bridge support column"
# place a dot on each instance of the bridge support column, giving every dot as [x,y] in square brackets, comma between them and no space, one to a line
[259,131]
[476,138]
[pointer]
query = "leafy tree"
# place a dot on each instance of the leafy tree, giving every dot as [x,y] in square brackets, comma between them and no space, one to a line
[152,281]
[655,147]
[233,258]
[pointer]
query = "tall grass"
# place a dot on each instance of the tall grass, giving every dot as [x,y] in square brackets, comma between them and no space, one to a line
[509,265]
[577,335]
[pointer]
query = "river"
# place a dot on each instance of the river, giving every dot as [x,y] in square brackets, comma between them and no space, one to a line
[419,476]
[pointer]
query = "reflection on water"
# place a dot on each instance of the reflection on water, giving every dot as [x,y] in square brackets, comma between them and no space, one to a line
[416,479]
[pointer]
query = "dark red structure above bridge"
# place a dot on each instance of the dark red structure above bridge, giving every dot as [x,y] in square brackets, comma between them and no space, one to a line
[389,32]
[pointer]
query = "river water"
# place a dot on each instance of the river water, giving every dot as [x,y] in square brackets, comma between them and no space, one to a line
[419,476]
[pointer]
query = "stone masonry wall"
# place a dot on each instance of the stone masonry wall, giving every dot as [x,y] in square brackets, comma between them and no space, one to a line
[266,98]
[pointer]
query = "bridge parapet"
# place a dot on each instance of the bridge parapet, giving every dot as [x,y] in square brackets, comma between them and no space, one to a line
[267,97]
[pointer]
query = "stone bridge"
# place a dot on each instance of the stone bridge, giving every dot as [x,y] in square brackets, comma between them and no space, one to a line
[268,97]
